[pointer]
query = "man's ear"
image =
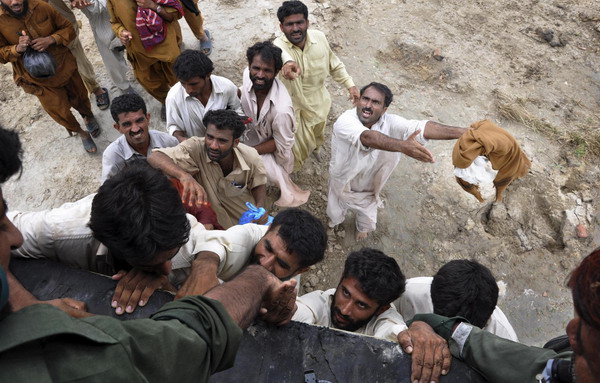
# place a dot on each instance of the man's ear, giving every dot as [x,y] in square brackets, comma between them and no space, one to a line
[302,270]
[117,127]
[381,309]
[236,142]
[281,27]
[385,109]
[148,117]
[572,329]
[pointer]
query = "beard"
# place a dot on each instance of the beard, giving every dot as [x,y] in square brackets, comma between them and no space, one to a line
[266,85]
[348,324]
[18,15]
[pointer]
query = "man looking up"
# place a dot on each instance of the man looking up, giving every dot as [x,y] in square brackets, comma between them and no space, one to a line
[308,59]
[39,341]
[139,233]
[197,92]
[136,140]
[217,168]
[460,288]
[33,24]
[271,131]
[366,145]
[362,301]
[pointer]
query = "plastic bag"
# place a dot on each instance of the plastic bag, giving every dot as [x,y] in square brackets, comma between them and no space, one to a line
[39,64]
[253,213]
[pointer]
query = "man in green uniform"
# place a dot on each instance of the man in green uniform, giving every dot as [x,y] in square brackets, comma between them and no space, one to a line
[187,340]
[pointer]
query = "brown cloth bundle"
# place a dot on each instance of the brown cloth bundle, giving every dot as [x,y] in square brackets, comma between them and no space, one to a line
[485,138]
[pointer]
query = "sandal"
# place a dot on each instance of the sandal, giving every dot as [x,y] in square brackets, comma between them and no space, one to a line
[93,127]
[103,100]
[206,46]
[89,145]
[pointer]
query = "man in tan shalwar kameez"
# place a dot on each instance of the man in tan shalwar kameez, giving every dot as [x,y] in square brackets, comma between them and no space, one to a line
[487,139]
[152,67]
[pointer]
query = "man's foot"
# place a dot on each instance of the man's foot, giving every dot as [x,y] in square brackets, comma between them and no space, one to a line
[102,98]
[92,126]
[163,113]
[88,144]
[317,155]
[361,235]
[206,43]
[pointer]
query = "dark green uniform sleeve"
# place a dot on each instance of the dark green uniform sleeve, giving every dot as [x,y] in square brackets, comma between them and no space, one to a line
[185,341]
[499,360]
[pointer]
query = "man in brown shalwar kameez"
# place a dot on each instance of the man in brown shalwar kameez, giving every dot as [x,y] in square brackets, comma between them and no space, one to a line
[485,138]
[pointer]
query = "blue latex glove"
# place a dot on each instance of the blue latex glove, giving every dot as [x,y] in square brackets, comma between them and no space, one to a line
[252,214]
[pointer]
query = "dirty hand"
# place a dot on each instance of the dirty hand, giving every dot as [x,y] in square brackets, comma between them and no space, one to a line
[262,220]
[414,149]
[80,4]
[354,95]
[291,70]
[193,193]
[75,308]
[125,37]
[279,304]
[42,43]
[135,288]
[430,354]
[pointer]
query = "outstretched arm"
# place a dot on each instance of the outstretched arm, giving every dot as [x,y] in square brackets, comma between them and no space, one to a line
[410,146]
[253,289]
[437,131]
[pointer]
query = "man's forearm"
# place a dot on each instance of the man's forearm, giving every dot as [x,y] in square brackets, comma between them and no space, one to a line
[377,140]
[242,296]
[163,162]
[437,131]
[266,147]
[260,194]
[203,276]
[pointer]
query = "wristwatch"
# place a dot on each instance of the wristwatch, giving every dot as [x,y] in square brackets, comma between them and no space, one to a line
[158,9]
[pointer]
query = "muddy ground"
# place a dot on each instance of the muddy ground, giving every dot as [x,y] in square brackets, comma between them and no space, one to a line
[531,66]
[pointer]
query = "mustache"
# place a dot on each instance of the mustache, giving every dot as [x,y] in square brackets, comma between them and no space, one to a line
[367,109]
[338,312]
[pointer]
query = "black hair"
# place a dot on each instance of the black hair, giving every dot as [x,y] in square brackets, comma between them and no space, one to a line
[387,93]
[11,153]
[465,288]
[379,276]
[268,52]
[289,8]
[225,119]
[127,103]
[192,63]
[303,235]
[138,213]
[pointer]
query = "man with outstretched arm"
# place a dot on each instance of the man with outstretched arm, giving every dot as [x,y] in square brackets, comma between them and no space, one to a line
[366,146]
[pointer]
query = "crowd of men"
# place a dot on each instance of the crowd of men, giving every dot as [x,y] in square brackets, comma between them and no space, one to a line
[166,215]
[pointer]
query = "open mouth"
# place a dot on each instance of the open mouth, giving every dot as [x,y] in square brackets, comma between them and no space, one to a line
[136,134]
[366,113]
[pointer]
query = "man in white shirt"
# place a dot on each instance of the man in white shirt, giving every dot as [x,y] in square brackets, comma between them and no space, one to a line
[366,145]
[135,229]
[362,301]
[137,140]
[197,92]
[460,288]
[271,131]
